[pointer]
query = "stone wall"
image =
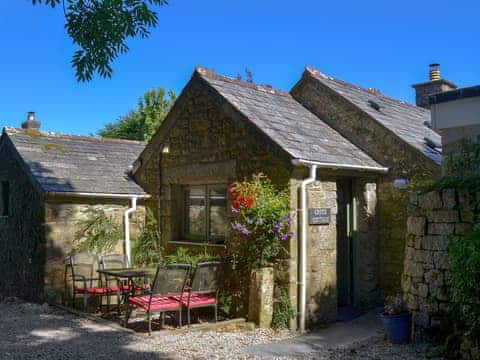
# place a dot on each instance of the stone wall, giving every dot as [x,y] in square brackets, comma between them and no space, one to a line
[433,217]
[62,215]
[366,245]
[22,241]
[322,255]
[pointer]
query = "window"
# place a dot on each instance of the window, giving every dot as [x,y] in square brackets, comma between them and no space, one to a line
[205,214]
[5,198]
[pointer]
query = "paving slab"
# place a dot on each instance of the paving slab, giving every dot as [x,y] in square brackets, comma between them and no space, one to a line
[336,336]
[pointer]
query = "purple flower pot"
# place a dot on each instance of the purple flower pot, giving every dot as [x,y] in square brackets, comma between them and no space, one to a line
[398,327]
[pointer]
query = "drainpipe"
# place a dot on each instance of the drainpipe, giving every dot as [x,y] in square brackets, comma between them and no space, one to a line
[130,210]
[313,165]
[303,245]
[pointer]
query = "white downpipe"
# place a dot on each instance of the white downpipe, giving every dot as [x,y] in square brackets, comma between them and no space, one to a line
[132,209]
[303,244]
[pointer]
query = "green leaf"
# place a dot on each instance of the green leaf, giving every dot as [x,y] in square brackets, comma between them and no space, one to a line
[101,29]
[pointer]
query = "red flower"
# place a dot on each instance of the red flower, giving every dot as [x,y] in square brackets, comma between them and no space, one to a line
[249,203]
[236,204]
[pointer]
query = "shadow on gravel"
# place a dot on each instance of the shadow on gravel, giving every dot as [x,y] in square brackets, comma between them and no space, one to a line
[31,331]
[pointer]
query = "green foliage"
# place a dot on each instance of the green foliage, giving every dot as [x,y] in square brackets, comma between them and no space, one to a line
[261,221]
[283,310]
[101,28]
[464,279]
[184,256]
[97,232]
[394,305]
[225,304]
[146,250]
[461,171]
[142,123]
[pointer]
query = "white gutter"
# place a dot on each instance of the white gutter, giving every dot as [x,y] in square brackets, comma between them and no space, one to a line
[303,245]
[132,209]
[98,195]
[298,162]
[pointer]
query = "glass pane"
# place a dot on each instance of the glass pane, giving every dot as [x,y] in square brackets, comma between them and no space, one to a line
[218,213]
[195,212]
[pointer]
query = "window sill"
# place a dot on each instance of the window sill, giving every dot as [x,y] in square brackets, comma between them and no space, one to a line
[191,243]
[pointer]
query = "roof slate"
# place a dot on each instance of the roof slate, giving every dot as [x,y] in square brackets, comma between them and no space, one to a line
[290,125]
[78,164]
[405,120]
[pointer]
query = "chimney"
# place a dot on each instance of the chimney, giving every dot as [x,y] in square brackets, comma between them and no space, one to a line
[434,85]
[31,122]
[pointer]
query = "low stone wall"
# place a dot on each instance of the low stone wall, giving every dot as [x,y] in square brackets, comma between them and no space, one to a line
[433,218]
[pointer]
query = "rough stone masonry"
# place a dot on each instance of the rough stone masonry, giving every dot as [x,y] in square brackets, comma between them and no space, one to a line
[433,218]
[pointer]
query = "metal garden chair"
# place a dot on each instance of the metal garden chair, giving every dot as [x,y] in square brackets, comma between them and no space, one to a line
[85,279]
[204,289]
[113,284]
[165,295]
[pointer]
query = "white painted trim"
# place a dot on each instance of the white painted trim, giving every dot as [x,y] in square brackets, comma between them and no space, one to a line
[298,162]
[98,195]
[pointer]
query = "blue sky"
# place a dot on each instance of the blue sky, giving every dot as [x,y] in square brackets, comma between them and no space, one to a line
[380,44]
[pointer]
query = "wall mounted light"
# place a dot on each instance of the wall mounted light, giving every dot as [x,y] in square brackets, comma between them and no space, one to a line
[165,148]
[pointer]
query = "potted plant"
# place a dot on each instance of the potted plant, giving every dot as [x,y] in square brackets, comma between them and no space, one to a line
[397,321]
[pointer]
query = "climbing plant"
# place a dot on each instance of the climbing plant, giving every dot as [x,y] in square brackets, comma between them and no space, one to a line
[97,231]
[146,249]
[261,223]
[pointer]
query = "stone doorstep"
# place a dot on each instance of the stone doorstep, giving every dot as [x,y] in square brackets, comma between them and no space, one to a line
[226,325]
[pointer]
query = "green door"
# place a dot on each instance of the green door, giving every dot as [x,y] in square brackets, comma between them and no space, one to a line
[344,242]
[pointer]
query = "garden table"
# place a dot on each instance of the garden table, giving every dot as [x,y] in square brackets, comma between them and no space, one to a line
[128,275]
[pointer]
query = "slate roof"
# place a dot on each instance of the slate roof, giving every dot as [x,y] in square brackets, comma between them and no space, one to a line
[405,120]
[287,123]
[78,164]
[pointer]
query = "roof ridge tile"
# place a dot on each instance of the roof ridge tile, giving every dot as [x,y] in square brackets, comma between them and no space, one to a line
[317,73]
[210,73]
[74,137]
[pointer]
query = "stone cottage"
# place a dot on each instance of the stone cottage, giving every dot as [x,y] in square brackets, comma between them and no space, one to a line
[359,146]
[346,153]
[47,180]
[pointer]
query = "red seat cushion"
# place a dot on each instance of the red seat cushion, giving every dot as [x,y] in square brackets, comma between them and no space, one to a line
[159,303]
[92,291]
[197,299]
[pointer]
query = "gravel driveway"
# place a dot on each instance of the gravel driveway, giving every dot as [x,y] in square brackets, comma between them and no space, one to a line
[31,331]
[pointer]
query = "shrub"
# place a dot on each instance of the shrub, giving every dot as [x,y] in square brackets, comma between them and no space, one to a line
[146,250]
[283,310]
[464,279]
[184,256]
[225,304]
[461,171]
